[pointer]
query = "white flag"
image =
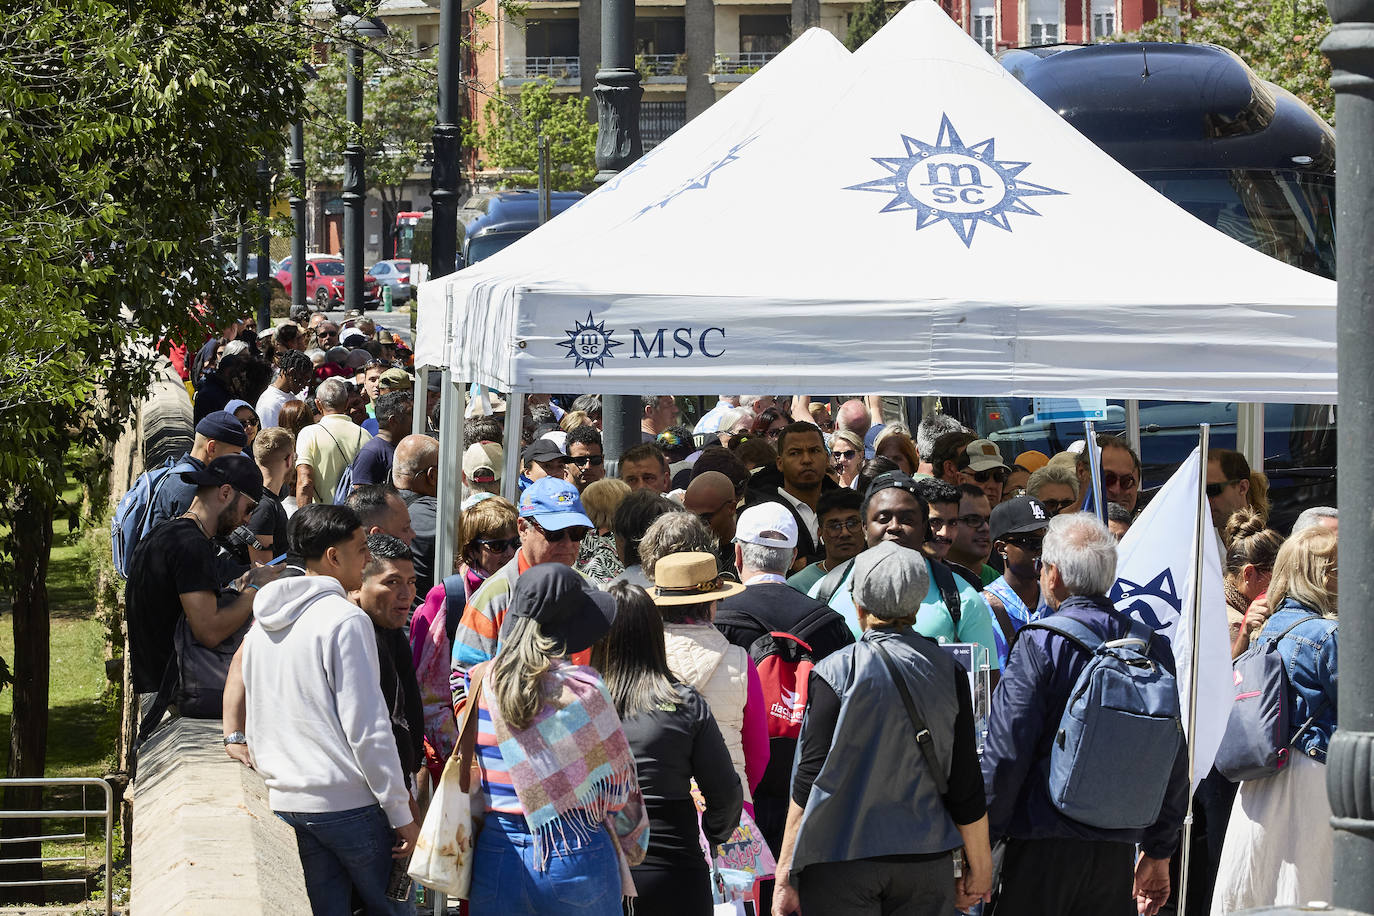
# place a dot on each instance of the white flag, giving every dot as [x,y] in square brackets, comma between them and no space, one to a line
[1155,586]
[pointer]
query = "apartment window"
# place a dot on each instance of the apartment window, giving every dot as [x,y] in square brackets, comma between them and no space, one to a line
[1104,19]
[983,31]
[1042,22]
[658,120]
[551,38]
[660,36]
[764,34]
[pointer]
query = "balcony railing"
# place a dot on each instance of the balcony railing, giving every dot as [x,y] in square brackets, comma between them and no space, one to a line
[661,64]
[559,68]
[743,63]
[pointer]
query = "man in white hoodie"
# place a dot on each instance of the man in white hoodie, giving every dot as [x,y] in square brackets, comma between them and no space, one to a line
[318,725]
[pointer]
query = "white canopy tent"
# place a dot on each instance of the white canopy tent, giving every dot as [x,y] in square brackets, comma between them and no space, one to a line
[908,220]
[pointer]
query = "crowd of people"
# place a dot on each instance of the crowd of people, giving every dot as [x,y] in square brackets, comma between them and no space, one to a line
[610,625]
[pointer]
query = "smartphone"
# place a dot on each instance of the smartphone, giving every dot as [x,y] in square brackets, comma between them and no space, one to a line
[274,562]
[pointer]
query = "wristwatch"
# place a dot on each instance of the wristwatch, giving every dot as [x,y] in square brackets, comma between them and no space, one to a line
[235,738]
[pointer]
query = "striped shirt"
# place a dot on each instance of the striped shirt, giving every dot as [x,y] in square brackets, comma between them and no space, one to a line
[498,792]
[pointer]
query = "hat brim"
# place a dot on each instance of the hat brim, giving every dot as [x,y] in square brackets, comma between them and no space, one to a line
[557,521]
[985,464]
[1035,525]
[725,591]
[585,630]
[208,478]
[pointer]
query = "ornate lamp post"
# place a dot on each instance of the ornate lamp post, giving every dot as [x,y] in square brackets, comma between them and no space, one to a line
[358,29]
[445,174]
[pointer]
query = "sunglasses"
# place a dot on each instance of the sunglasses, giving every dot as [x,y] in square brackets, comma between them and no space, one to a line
[1032,544]
[998,474]
[1214,489]
[595,461]
[1055,506]
[574,533]
[252,421]
[499,545]
[1128,482]
[844,456]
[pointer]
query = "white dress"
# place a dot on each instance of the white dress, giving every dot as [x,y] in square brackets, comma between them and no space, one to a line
[1278,843]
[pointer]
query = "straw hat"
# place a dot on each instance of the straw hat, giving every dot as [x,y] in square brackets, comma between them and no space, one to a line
[690,578]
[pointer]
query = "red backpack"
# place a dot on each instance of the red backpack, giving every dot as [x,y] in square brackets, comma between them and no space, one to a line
[784,662]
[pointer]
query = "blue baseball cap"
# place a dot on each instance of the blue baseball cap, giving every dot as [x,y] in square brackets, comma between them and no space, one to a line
[554,504]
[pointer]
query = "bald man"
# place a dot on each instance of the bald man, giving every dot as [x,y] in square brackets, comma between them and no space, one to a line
[711,495]
[415,474]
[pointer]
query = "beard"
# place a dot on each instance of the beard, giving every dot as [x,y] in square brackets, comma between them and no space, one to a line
[229,518]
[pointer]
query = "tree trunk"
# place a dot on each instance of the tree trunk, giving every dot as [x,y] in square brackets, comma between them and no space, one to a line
[31,540]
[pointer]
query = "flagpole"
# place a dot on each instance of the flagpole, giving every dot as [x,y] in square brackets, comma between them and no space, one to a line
[1094,469]
[1200,525]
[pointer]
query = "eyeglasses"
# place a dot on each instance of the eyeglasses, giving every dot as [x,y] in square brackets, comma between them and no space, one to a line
[998,474]
[583,460]
[1128,482]
[1055,506]
[974,520]
[845,455]
[837,526]
[381,364]
[574,533]
[1214,489]
[499,545]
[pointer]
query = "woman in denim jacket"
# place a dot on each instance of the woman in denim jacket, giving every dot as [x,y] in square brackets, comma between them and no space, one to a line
[1278,845]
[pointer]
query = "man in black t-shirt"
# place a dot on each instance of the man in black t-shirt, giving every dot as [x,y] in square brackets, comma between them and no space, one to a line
[172,571]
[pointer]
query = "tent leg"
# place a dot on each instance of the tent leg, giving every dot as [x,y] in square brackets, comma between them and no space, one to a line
[418,424]
[450,497]
[1250,434]
[515,416]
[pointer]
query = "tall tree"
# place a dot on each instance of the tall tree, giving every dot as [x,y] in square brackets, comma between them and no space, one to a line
[398,122]
[865,22]
[512,125]
[1280,41]
[129,127]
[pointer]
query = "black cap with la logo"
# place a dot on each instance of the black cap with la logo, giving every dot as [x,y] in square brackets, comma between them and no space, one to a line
[1017,516]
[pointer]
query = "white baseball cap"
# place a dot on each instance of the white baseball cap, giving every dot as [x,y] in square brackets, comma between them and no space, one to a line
[767,524]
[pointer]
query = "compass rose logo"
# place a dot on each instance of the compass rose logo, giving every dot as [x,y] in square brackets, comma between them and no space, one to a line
[954,182]
[701,180]
[589,344]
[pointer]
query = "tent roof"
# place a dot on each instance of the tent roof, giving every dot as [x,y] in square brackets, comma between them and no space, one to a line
[923,224]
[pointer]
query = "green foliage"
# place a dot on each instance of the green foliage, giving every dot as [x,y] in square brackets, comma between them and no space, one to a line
[1280,41]
[513,123]
[867,20]
[399,91]
[131,129]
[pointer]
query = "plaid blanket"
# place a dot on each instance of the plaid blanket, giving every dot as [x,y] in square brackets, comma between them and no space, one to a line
[572,767]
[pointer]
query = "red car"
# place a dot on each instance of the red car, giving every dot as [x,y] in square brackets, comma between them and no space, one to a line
[324,282]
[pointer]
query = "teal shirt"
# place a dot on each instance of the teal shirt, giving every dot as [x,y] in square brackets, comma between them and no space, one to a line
[933,620]
[802,581]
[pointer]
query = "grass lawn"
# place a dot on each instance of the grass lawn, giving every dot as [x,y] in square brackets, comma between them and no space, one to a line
[83,722]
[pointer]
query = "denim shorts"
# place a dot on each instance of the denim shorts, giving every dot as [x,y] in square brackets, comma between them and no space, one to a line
[581,874]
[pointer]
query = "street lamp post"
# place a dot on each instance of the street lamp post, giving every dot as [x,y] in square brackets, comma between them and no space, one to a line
[358,29]
[618,144]
[444,177]
[264,250]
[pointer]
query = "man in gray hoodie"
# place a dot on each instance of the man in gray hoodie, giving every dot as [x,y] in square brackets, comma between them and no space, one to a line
[318,727]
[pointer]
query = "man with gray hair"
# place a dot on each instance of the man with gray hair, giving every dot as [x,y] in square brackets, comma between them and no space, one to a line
[674,532]
[765,546]
[325,449]
[930,429]
[885,787]
[1055,864]
[1326,516]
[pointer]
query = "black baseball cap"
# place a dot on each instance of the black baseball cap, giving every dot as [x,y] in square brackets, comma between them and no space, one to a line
[567,607]
[223,426]
[238,471]
[542,450]
[1017,516]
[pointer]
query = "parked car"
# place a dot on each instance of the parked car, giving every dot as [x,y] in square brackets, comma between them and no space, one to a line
[395,274]
[324,282]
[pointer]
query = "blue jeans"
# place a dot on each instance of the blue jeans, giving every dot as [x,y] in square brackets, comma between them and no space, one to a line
[582,875]
[342,850]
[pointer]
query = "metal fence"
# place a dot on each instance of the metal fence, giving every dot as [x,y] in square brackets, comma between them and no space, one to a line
[40,814]
[660,64]
[555,67]
[743,62]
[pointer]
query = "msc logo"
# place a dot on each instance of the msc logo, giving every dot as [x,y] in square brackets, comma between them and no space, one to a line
[590,343]
[955,182]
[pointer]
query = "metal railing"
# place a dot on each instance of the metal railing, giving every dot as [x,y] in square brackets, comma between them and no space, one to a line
[660,64]
[743,62]
[555,67]
[107,812]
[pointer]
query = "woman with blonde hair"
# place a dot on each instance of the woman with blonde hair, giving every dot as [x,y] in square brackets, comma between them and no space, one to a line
[559,788]
[846,456]
[894,443]
[1251,550]
[597,558]
[573,419]
[1278,849]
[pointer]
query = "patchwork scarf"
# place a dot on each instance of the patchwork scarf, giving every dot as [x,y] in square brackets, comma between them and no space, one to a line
[572,767]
